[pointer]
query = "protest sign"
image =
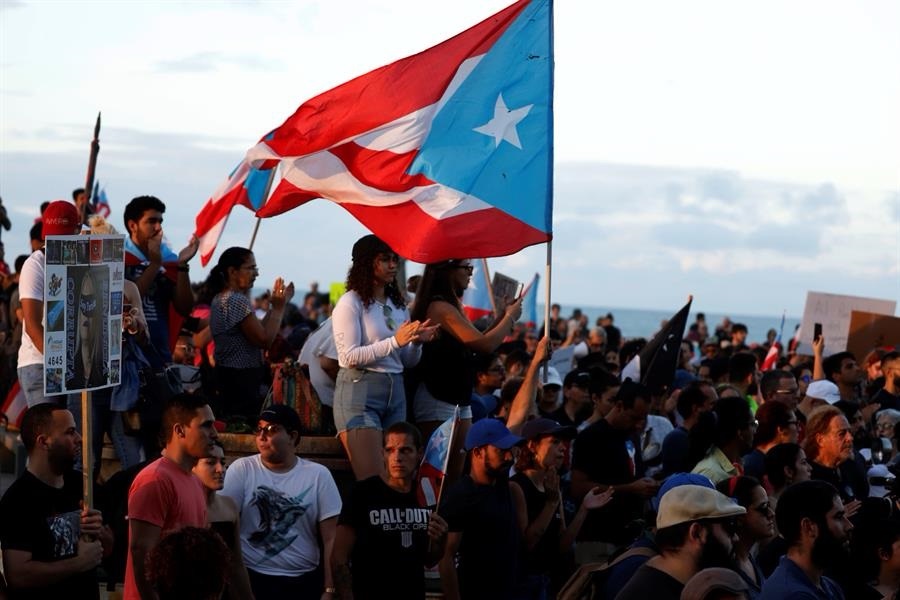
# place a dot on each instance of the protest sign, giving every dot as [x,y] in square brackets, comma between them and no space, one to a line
[506,290]
[83,298]
[833,312]
[870,330]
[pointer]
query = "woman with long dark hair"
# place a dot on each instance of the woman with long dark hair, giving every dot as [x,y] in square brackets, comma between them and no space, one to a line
[239,335]
[445,374]
[757,526]
[375,341]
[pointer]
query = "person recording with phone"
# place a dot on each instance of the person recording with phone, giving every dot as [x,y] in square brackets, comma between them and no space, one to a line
[446,373]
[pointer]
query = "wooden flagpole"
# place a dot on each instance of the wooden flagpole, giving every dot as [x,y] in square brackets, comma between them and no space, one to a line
[87,464]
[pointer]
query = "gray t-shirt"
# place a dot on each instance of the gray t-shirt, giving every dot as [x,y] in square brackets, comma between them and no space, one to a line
[233,349]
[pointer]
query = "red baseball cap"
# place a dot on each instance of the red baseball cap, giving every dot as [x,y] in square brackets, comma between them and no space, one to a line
[60,218]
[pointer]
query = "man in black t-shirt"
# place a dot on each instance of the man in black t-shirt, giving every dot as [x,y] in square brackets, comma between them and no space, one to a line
[384,538]
[696,529]
[41,522]
[604,455]
[482,521]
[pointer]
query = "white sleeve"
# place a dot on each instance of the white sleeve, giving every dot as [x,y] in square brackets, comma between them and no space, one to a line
[581,350]
[329,499]
[347,321]
[31,280]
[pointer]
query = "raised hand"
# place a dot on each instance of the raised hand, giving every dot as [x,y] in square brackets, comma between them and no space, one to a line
[188,252]
[597,499]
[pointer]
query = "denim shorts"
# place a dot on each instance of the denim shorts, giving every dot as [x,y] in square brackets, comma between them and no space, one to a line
[368,400]
[428,408]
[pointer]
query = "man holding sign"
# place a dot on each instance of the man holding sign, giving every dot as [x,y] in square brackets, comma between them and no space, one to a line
[60,218]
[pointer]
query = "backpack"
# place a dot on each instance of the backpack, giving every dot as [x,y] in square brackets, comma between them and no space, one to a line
[589,581]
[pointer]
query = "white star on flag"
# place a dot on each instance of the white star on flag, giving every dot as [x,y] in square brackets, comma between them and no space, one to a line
[503,124]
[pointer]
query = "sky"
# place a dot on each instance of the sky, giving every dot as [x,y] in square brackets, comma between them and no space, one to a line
[743,153]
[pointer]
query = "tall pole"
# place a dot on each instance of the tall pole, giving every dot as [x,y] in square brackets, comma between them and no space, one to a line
[87,462]
[547,272]
[92,166]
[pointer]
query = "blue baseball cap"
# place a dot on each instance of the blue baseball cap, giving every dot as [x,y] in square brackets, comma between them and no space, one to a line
[491,432]
[676,479]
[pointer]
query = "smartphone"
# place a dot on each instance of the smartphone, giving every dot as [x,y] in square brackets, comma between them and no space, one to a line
[520,291]
[817,331]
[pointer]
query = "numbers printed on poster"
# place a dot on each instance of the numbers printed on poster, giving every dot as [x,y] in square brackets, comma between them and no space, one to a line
[55,361]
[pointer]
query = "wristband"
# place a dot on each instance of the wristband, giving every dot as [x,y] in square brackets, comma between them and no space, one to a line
[183,268]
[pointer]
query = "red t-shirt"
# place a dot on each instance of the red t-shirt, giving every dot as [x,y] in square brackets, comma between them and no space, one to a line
[164,495]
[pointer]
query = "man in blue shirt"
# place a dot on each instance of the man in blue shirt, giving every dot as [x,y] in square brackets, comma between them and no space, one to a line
[811,518]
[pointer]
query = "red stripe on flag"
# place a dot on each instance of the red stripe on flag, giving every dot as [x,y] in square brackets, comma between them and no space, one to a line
[14,406]
[380,169]
[475,313]
[418,236]
[372,100]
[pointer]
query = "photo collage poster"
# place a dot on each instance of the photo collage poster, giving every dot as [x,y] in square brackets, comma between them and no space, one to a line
[83,289]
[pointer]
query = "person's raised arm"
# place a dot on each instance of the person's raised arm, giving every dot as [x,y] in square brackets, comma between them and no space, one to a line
[593,499]
[184,296]
[818,347]
[262,333]
[454,322]
[154,256]
[524,402]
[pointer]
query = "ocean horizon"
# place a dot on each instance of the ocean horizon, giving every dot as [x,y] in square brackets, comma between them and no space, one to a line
[643,323]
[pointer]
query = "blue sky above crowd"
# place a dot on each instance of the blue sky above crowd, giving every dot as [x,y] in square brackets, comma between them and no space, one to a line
[741,153]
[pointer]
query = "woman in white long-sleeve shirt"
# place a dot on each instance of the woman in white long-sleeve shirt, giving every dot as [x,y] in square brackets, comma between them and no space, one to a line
[375,341]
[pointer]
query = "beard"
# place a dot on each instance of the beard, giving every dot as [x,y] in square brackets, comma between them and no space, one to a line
[828,551]
[716,554]
[60,459]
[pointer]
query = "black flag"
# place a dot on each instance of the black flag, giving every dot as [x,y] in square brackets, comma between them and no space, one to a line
[656,363]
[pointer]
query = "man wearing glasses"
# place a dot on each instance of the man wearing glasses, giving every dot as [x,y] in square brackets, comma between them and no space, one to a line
[286,503]
[696,530]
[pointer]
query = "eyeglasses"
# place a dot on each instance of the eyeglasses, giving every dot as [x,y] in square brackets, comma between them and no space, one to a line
[468,268]
[270,429]
[764,509]
[496,370]
[388,313]
[252,268]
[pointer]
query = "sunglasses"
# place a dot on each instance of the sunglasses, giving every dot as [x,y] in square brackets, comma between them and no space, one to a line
[388,313]
[270,430]
[88,305]
[764,509]
[468,268]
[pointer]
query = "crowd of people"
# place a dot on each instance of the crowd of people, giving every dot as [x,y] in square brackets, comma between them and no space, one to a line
[724,482]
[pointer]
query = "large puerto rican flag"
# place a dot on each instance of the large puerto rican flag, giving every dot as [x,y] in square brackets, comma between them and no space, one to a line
[444,154]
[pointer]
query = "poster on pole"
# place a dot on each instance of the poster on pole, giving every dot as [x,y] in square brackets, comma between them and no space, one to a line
[83,282]
[833,311]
